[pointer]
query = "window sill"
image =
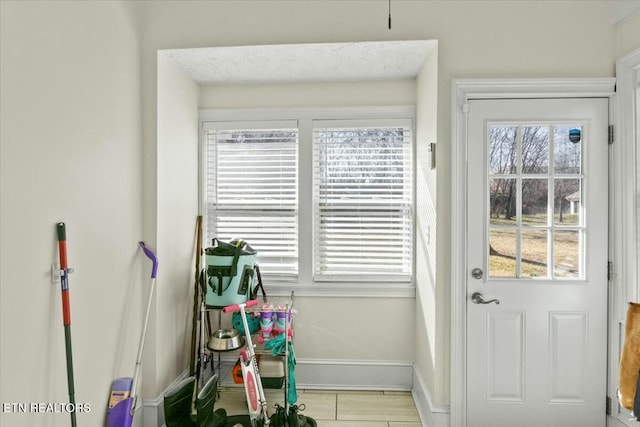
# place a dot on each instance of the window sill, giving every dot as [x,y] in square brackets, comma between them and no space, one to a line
[344,290]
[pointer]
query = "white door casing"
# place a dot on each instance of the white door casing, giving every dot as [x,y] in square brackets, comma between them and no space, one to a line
[624,218]
[462,91]
[540,355]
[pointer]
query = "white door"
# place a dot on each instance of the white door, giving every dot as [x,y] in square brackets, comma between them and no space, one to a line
[537,244]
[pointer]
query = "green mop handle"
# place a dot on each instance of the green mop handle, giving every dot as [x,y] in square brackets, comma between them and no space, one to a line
[66,315]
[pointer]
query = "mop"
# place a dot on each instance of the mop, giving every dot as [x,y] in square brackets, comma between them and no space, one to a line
[122,402]
[66,313]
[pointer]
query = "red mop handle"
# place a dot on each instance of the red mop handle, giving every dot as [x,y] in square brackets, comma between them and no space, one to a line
[236,307]
[64,280]
[66,314]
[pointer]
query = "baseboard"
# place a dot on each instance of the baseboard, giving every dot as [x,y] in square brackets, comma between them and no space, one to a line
[430,414]
[621,421]
[153,412]
[337,374]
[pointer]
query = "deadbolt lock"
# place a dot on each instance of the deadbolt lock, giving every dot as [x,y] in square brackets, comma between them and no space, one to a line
[477,273]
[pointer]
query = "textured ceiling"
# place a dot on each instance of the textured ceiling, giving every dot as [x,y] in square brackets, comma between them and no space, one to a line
[304,62]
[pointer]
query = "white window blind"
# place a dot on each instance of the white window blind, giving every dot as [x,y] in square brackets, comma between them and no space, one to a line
[363,200]
[251,190]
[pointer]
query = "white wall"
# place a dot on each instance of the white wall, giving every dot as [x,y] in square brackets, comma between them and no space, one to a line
[429,355]
[627,33]
[620,9]
[177,209]
[326,328]
[70,151]
[338,94]
[71,98]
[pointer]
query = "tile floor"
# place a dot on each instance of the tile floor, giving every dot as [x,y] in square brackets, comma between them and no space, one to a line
[338,408]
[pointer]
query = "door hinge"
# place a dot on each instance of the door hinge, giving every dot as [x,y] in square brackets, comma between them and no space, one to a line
[608,406]
[610,134]
[609,270]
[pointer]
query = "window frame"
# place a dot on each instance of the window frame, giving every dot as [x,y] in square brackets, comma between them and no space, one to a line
[305,284]
[400,206]
[279,125]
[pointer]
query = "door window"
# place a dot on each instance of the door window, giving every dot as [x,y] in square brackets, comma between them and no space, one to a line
[535,222]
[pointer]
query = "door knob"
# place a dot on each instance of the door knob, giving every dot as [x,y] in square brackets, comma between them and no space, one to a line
[477,298]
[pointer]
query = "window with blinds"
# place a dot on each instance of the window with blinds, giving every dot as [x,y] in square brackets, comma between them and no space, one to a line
[362,187]
[251,189]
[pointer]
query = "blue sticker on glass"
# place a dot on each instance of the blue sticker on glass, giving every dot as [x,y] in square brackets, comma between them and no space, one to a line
[575,135]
